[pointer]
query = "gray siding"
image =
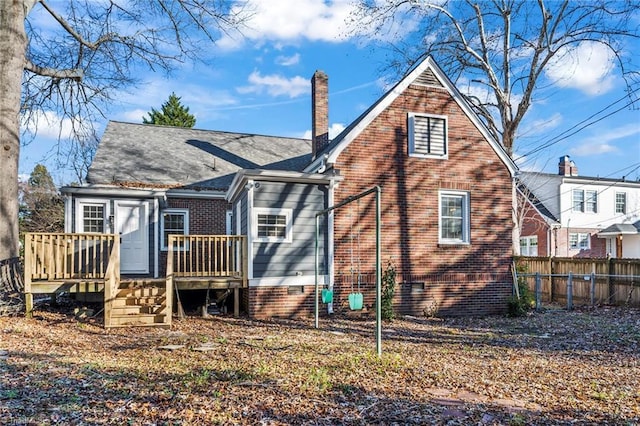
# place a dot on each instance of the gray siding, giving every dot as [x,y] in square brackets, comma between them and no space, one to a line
[298,256]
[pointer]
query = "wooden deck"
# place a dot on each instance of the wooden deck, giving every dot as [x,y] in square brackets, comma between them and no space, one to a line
[90,263]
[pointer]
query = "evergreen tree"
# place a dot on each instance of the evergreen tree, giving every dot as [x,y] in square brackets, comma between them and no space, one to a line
[41,207]
[172,113]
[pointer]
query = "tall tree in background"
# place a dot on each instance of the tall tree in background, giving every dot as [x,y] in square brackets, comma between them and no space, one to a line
[503,47]
[172,113]
[71,60]
[41,207]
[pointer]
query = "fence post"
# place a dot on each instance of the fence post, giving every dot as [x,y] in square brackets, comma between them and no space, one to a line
[570,291]
[593,288]
[538,291]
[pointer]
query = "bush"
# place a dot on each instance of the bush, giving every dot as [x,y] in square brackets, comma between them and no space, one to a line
[388,290]
[520,306]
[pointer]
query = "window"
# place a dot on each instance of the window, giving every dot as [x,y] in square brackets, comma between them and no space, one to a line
[272,225]
[592,201]
[621,202]
[93,218]
[454,217]
[578,200]
[174,221]
[579,241]
[427,136]
[529,246]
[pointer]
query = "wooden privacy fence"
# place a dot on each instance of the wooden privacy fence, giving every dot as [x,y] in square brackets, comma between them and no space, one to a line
[582,281]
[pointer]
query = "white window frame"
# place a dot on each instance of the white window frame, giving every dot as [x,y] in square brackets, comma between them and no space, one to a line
[287,213]
[185,231]
[107,219]
[591,201]
[528,245]
[623,203]
[573,200]
[582,241]
[411,118]
[466,217]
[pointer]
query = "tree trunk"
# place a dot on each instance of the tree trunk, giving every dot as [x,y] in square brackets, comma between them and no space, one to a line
[12,51]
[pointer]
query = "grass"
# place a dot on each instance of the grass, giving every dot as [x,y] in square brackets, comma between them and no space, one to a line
[553,367]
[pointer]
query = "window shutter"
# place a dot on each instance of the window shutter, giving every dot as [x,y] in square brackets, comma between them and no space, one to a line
[429,135]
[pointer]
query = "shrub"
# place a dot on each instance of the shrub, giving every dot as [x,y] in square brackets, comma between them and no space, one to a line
[388,290]
[520,306]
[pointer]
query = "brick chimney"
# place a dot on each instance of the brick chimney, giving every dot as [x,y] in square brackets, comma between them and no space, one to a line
[567,167]
[319,112]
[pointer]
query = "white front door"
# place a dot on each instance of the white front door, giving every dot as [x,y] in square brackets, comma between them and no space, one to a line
[132,219]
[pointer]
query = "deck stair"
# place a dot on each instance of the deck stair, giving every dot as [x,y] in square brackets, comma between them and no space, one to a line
[140,302]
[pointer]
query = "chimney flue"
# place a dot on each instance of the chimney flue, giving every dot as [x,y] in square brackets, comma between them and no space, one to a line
[319,112]
[566,167]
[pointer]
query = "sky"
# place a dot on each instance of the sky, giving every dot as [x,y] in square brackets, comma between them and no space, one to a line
[261,84]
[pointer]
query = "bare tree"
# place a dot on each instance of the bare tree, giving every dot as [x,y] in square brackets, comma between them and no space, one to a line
[72,62]
[502,45]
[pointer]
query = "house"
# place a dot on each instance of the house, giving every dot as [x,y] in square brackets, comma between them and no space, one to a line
[568,215]
[447,191]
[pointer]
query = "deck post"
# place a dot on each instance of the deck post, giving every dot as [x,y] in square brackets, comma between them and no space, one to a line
[236,302]
[28,270]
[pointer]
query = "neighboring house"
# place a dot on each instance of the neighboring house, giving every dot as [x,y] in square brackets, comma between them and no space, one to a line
[568,215]
[447,191]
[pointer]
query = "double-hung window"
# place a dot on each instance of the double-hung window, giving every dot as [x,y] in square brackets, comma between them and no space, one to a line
[579,241]
[271,225]
[427,136]
[578,200]
[92,216]
[174,221]
[529,246]
[454,217]
[621,202]
[591,204]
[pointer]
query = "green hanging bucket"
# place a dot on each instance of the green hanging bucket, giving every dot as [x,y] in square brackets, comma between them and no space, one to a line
[327,295]
[355,301]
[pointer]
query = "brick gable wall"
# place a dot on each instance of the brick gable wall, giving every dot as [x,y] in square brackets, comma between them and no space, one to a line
[462,279]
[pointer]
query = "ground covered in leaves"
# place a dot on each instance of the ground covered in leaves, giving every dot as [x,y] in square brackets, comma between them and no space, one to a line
[552,367]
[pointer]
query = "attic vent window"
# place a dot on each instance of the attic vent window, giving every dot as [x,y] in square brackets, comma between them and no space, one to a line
[427,136]
[428,78]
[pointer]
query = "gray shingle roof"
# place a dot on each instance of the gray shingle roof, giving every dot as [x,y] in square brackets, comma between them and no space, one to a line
[621,228]
[148,155]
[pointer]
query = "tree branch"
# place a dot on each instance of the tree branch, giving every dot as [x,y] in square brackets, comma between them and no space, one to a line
[74,74]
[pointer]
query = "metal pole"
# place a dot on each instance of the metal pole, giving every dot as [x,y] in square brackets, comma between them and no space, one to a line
[538,291]
[378,278]
[316,308]
[570,291]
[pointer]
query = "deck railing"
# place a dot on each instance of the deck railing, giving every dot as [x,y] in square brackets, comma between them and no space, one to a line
[112,282]
[64,257]
[208,256]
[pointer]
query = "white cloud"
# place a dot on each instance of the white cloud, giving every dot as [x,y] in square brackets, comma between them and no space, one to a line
[49,124]
[587,67]
[287,61]
[334,130]
[290,21]
[603,142]
[276,85]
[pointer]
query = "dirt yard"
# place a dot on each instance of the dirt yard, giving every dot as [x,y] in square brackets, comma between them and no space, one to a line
[552,367]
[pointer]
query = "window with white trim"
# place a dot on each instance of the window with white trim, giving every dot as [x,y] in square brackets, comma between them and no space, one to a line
[578,200]
[427,135]
[591,204]
[579,241]
[529,246]
[621,202]
[93,218]
[454,217]
[174,221]
[271,225]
